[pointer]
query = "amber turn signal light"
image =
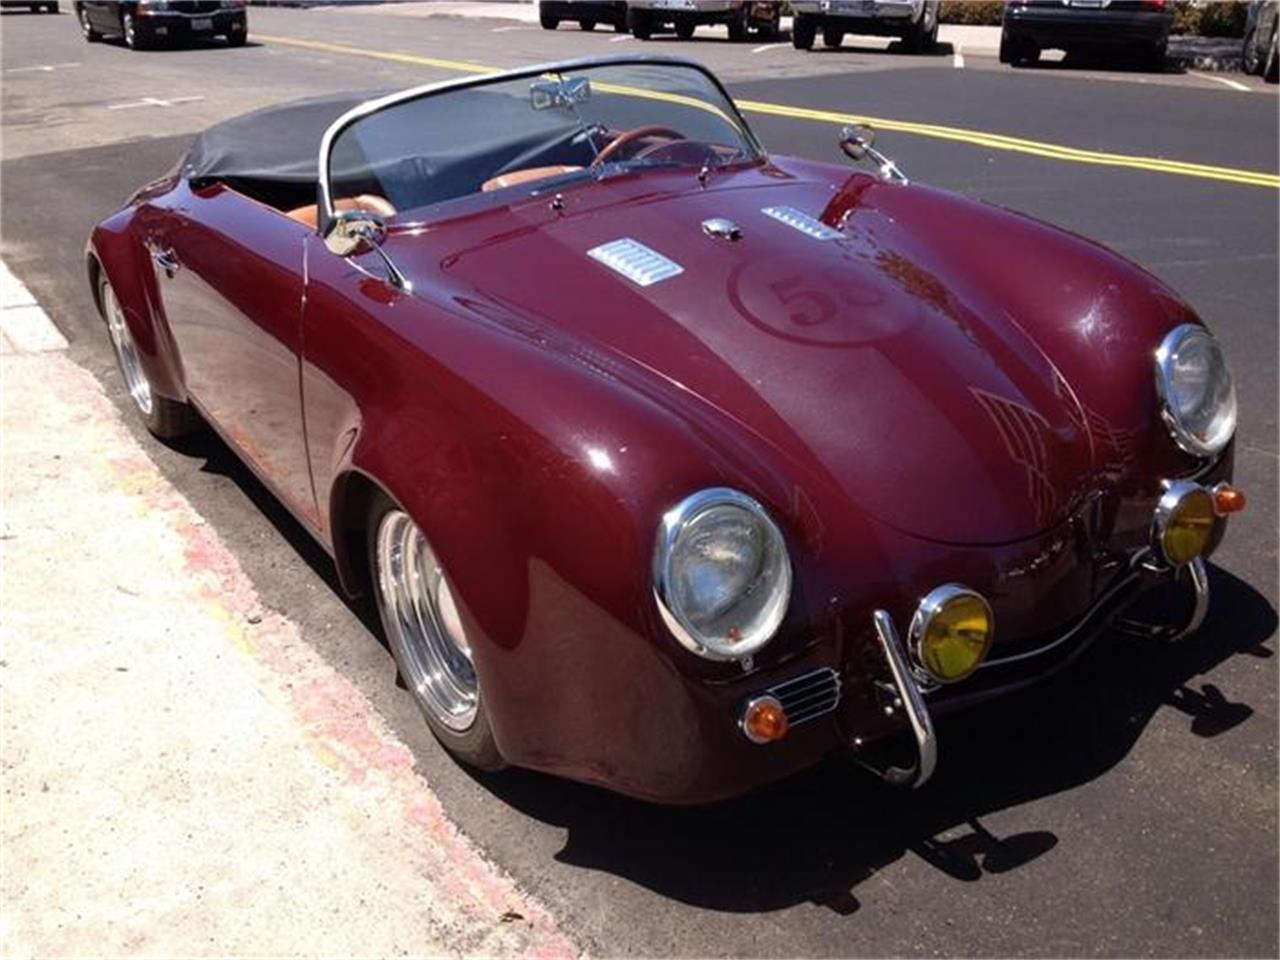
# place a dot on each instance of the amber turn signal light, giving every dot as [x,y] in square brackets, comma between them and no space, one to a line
[764,720]
[1227,499]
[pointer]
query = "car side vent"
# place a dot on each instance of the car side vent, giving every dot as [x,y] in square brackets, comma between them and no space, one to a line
[635,261]
[799,220]
[809,695]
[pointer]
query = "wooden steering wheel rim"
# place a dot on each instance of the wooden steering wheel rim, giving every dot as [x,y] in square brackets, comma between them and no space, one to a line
[631,136]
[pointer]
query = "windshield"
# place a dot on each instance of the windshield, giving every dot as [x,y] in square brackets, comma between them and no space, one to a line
[536,130]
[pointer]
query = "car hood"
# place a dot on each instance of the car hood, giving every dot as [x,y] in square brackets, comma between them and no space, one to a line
[859,357]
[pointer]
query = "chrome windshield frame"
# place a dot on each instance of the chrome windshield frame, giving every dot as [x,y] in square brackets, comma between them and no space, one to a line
[369,107]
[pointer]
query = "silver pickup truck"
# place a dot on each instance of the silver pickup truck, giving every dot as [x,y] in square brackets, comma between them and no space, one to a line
[914,21]
[743,17]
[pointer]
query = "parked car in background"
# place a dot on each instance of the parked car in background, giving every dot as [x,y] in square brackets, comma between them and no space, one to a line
[743,17]
[48,6]
[672,465]
[1260,55]
[146,23]
[585,14]
[1139,26]
[914,21]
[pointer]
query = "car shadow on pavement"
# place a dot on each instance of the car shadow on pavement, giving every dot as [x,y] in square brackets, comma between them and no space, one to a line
[814,837]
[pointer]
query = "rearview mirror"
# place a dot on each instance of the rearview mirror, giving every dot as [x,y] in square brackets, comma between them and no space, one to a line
[546,94]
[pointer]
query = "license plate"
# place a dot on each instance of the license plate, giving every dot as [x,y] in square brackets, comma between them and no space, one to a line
[1087,4]
[675,4]
[203,24]
[864,7]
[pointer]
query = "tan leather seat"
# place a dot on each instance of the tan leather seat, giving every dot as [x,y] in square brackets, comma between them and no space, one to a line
[514,177]
[366,201]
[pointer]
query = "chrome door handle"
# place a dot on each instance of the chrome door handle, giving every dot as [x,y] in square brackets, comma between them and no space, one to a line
[167,261]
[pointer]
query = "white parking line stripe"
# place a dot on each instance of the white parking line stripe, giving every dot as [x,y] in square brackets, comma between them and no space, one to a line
[624,37]
[42,68]
[769,46]
[508,29]
[957,58]
[153,102]
[1233,84]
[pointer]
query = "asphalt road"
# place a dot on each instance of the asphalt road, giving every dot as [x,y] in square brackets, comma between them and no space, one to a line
[1128,807]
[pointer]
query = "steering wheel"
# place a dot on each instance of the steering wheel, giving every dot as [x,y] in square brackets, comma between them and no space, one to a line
[631,136]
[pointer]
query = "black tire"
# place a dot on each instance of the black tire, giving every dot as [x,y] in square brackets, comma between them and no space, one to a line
[474,746]
[164,418]
[804,29]
[685,28]
[1271,72]
[923,36]
[771,29]
[1250,61]
[238,39]
[1156,54]
[738,23]
[639,24]
[86,30]
[620,25]
[548,21]
[587,25]
[832,37]
[1017,50]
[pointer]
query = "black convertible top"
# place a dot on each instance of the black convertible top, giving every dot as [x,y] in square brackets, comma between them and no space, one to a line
[277,145]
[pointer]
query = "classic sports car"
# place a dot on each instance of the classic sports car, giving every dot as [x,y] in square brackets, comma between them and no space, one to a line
[672,466]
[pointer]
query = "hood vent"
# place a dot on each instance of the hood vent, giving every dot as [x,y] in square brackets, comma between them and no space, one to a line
[798,220]
[635,261]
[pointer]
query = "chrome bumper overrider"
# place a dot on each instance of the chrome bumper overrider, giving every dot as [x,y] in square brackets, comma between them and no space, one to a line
[908,694]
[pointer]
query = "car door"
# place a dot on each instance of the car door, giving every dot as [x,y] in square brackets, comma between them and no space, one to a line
[230,275]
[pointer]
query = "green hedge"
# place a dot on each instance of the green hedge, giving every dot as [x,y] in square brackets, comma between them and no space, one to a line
[1210,18]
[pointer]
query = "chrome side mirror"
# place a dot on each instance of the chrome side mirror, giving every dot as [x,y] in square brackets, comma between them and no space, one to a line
[352,233]
[857,141]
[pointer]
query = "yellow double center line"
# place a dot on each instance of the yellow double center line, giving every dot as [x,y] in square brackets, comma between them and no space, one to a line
[978,138]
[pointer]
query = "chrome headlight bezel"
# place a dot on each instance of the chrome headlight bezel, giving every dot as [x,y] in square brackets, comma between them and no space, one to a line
[917,633]
[1166,387]
[675,525]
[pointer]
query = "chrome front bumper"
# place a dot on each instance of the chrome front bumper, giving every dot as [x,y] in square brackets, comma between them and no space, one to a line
[908,692]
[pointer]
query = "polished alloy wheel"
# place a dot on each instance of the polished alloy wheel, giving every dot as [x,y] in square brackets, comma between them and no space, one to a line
[423,624]
[126,351]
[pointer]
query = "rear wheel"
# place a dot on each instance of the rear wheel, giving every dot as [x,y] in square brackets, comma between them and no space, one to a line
[420,619]
[86,28]
[639,24]
[803,31]
[165,418]
[738,23]
[685,28]
[923,36]
[1250,56]
[1271,72]
[771,29]
[548,21]
[587,25]
[1017,50]
[238,39]
[832,37]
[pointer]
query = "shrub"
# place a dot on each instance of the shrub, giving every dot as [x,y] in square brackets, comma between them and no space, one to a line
[976,13]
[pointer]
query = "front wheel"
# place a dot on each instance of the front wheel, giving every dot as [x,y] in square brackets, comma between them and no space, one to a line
[238,39]
[803,31]
[923,37]
[832,37]
[421,621]
[639,24]
[685,28]
[738,24]
[165,418]
[548,21]
[1271,72]
[1250,60]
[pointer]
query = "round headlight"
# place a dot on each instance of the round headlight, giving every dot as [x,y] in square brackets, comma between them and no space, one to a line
[1196,390]
[951,633]
[721,574]
[1184,522]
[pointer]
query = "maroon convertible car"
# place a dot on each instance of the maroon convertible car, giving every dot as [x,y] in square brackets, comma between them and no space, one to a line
[672,466]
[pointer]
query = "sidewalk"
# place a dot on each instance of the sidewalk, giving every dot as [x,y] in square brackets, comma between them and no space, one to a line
[183,775]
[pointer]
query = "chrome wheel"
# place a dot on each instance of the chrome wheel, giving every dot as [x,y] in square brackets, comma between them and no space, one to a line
[126,351]
[423,624]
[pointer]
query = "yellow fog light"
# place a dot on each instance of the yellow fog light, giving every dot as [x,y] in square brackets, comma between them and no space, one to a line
[1184,522]
[951,633]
